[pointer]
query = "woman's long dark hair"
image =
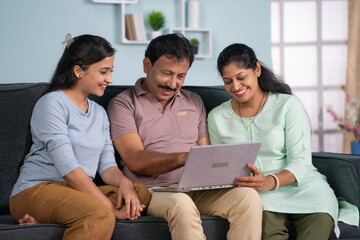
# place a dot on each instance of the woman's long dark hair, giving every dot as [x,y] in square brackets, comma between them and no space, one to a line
[83,51]
[245,58]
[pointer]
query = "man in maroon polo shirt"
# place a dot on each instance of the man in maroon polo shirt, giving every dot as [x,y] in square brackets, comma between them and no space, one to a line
[153,127]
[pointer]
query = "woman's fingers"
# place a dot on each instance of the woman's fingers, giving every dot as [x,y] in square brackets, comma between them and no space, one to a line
[254,169]
[119,200]
[255,181]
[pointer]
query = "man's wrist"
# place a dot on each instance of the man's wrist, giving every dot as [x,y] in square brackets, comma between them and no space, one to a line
[182,159]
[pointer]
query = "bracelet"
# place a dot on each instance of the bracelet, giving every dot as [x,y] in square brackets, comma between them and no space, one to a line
[277,183]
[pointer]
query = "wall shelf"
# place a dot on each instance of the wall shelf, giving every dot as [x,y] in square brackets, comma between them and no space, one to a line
[115,1]
[202,34]
[124,40]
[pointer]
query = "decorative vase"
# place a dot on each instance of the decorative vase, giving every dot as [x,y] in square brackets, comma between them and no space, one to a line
[355,148]
[193,14]
[155,34]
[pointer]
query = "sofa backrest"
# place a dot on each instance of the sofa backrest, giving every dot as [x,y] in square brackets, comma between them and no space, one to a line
[18,100]
[16,104]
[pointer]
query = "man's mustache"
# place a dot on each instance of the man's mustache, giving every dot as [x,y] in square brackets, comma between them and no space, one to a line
[168,88]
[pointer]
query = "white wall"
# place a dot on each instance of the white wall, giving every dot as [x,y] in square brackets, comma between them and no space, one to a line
[32,32]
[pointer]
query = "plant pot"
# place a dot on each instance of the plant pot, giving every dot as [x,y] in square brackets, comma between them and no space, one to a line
[195,49]
[155,34]
[355,148]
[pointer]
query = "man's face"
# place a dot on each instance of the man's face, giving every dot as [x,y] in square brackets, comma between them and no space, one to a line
[165,78]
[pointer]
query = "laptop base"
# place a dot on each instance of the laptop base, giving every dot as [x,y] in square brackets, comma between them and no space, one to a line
[174,189]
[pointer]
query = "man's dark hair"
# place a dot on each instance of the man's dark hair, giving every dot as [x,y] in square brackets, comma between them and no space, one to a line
[170,45]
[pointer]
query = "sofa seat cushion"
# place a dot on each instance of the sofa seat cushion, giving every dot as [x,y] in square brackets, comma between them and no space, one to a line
[146,227]
[9,230]
[347,232]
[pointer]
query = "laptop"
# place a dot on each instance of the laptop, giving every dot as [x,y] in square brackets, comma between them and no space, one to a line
[215,166]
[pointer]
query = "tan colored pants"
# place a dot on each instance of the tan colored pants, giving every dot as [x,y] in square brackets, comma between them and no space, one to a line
[85,216]
[242,207]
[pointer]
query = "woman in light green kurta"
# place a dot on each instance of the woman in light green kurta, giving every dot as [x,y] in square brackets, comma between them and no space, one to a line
[263,109]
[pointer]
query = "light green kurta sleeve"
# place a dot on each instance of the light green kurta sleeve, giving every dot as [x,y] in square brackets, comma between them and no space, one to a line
[297,140]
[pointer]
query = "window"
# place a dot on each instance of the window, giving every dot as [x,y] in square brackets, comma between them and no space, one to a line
[309,51]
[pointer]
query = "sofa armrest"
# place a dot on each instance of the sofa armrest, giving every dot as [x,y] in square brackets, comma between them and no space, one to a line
[342,172]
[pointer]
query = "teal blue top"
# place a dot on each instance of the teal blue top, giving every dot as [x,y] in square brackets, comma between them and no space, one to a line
[283,128]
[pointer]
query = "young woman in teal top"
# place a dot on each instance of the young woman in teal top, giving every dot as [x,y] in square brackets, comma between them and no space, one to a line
[70,143]
[263,109]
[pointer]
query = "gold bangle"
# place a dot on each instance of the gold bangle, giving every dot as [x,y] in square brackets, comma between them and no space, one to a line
[277,183]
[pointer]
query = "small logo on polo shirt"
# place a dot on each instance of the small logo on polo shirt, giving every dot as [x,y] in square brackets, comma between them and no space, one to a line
[181,113]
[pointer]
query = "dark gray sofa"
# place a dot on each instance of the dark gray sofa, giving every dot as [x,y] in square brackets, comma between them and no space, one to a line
[16,103]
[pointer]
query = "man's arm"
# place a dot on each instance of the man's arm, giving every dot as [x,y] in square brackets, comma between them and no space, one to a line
[145,162]
[203,141]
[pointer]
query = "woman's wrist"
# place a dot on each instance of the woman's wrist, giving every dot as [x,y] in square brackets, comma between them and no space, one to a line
[277,183]
[124,179]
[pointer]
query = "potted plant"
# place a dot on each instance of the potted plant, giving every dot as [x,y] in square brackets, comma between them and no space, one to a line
[195,45]
[156,20]
[351,123]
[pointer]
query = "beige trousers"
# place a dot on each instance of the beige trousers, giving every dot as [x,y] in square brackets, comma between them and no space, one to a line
[85,216]
[242,207]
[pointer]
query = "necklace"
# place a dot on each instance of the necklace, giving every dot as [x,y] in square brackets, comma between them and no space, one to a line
[253,119]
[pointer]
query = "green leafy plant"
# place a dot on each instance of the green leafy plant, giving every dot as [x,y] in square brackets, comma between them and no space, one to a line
[195,45]
[194,42]
[156,20]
